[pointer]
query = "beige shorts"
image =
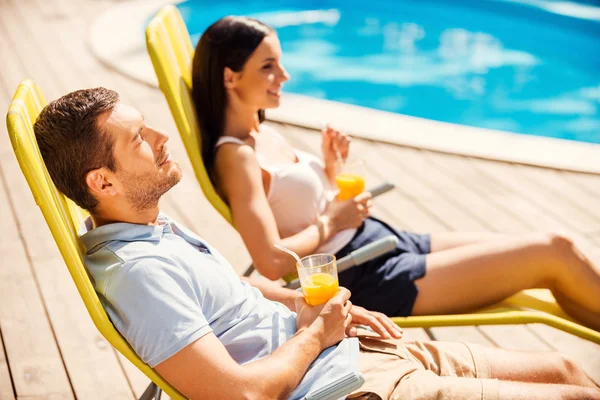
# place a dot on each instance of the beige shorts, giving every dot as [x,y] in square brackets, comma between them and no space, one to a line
[423,370]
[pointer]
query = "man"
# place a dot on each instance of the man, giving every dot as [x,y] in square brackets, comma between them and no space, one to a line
[211,335]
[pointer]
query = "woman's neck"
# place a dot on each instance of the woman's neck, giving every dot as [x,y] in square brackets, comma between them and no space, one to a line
[240,121]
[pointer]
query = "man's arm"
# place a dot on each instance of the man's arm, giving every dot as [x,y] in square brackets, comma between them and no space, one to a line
[204,369]
[274,292]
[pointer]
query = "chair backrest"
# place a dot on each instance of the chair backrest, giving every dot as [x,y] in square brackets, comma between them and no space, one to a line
[63,218]
[171,52]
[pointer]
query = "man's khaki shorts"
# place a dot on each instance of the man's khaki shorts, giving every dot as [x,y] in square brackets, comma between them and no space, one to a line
[423,370]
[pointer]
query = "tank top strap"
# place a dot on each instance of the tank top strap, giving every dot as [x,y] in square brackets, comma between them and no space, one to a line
[228,139]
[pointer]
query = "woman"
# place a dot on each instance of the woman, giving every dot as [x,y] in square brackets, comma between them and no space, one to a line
[279,195]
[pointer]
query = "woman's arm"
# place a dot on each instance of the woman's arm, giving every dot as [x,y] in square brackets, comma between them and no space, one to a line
[240,182]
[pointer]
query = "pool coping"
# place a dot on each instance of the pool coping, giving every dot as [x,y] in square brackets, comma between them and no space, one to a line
[116,38]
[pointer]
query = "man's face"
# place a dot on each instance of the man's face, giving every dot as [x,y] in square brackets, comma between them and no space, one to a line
[144,168]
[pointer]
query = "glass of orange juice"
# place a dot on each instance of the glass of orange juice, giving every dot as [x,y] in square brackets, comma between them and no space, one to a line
[318,278]
[350,179]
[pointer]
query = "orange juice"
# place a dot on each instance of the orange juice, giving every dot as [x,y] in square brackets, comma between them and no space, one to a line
[350,185]
[319,288]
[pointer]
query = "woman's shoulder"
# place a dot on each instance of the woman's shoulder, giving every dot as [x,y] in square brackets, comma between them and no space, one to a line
[235,152]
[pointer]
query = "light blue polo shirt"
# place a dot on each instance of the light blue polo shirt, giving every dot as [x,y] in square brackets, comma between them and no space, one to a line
[163,288]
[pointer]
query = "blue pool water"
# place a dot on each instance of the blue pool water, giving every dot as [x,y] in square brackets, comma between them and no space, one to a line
[524,66]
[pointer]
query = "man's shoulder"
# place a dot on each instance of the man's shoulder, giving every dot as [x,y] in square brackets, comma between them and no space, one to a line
[128,258]
[135,252]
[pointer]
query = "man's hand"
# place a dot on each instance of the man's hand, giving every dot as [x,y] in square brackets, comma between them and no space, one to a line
[329,321]
[379,322]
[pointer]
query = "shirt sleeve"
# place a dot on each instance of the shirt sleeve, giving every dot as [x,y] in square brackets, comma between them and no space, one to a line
[154,306]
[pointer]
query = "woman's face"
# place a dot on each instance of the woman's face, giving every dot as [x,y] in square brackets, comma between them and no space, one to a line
[259,83]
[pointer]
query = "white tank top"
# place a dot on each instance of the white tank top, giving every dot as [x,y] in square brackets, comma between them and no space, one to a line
[298,194]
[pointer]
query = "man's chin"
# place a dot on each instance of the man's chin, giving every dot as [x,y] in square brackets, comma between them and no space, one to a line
[174,176]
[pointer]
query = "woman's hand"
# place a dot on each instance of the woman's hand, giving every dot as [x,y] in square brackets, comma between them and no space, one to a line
[348,214]
[332,141]
[377,321]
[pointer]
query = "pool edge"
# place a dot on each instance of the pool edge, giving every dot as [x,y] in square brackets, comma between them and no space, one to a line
[444,137]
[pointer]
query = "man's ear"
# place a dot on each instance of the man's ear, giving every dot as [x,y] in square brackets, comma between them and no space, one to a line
[99,183]
[229,78]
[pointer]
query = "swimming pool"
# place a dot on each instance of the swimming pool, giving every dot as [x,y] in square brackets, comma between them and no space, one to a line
[523,66]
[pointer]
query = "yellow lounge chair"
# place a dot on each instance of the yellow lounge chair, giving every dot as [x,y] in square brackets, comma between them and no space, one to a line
[64,218]
[171,52]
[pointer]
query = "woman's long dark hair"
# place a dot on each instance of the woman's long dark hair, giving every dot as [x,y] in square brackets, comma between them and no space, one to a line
[229,42]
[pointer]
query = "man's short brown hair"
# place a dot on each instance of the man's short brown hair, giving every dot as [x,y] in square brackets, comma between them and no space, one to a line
[72,143]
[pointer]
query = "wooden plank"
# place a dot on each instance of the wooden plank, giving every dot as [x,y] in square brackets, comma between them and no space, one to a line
[474,215]
[25,51]
[571,217]
[551,183]
[588,183]
[137,380]
[411,186]
[32,352]
[6,387]
[480,195]
[524,211]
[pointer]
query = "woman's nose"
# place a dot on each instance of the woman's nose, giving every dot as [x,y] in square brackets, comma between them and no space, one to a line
[284,74]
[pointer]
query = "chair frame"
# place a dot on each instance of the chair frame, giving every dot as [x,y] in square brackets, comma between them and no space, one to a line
[64,219]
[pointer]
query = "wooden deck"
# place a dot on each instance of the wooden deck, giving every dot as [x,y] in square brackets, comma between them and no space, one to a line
[49,348]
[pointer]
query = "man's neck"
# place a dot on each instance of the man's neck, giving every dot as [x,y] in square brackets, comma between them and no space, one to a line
[144,217]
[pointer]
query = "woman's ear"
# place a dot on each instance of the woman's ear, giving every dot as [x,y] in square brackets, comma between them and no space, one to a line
[99,183]
[229,78]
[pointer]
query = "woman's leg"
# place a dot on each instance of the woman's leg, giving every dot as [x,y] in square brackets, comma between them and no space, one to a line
[468,277]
